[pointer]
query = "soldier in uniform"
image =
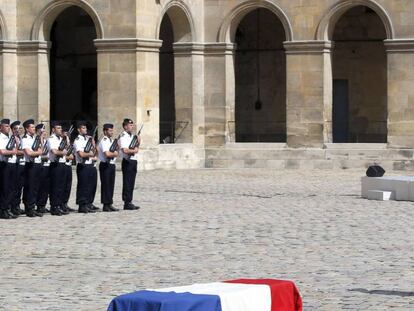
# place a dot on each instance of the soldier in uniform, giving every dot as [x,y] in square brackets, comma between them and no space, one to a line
[129,164]
[67,183]
[44,178]
[8,152]
[19,171]
[85,171]
[33,167]
[57,154]
[107,167]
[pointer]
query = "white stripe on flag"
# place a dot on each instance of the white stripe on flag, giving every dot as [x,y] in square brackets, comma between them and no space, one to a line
[233,297]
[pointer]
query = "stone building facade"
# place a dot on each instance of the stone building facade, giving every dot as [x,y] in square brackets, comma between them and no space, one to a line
[221,83]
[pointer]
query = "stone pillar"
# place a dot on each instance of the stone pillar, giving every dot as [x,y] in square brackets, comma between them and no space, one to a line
[219,92]
[128,85]
[400,55]
[8,79]
[33,80]
[309,93]
[189,87]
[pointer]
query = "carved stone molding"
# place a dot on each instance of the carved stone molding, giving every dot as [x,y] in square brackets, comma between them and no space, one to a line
[308,47]
[121,45]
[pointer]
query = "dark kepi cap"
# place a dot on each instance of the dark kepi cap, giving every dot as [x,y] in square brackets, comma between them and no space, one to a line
[5,121]
[28,122]
[81,123]
[108,126]
[39,126]
[15,123]
[55,123]
[127,121]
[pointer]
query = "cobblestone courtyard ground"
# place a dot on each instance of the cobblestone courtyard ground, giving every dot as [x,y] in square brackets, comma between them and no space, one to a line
[207,225]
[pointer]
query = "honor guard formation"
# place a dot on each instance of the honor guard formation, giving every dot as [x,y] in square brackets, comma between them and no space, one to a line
[35,168]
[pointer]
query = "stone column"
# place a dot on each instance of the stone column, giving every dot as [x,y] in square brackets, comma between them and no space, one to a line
[8,79]
[189,87]
[400,55]
[33,80]
[309,93]
[219,92]
[128,85]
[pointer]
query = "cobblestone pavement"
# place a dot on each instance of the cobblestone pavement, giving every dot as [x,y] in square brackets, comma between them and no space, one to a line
[207,225]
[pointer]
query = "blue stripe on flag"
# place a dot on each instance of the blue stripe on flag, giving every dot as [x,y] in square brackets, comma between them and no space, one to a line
[170,301]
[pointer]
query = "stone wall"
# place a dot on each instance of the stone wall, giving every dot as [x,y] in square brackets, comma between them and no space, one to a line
[205,73]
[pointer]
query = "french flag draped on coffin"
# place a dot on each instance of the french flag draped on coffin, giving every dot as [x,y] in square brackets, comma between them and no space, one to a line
[235,295]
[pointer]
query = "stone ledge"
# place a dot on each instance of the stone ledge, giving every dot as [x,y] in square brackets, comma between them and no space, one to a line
[127,45]
[8,47]
[399,46]
[25,47]
[308,47]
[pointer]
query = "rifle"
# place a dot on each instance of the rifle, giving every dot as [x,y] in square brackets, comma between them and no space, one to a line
[70,150]
[37,142]
[134,142]
[65,139]
[45,149]
[12,143]
[114,145]
[89,144]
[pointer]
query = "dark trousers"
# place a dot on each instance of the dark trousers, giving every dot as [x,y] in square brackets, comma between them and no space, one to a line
[107,175]
[44,188]
[86,188]
[67,183]
[7,184]
[18,190]
[57,183]
[129,173]
[31,184]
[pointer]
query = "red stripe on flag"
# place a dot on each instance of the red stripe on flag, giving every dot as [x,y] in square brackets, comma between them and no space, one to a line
[285,295]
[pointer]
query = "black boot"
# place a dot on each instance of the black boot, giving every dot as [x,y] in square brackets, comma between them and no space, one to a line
[30,212]
[4,214]
[41,209]
[69,209]
[55,211]
[16,210]
[63,210]
[83,209]
[12,216]
[130,206]
[109,208]
[93,207]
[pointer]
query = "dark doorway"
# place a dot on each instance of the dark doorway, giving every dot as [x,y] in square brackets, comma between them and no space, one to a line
[73,67]
[167,94]
[340,111]
[260,77]
[359,57]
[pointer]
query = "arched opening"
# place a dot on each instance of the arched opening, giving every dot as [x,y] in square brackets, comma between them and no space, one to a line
[73,67]
[359,72]
[167,94]
[175,73]
[260,78]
